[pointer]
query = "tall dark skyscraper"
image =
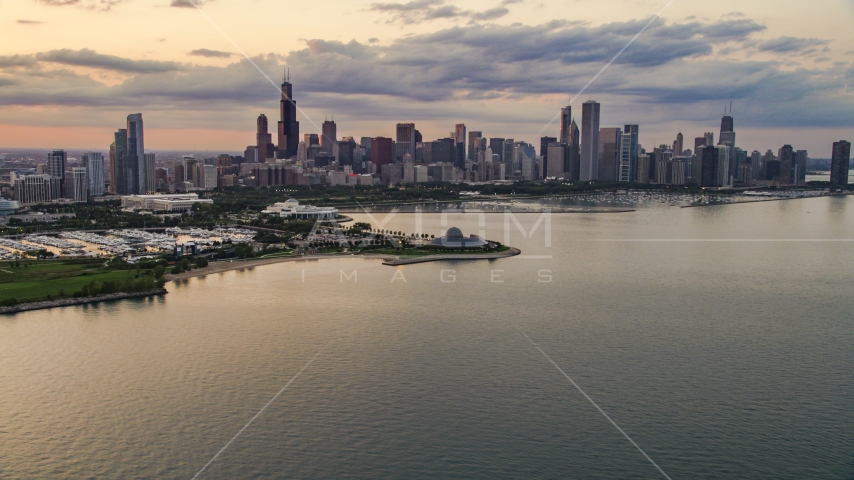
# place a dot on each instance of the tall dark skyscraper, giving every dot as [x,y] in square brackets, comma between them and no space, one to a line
[497,147]
[565,121]
[381,152]
[727,124]
[288,124]
[263,139]
[406,136]
[135,156]
[589,163]
[839,163]
[329,136]
[678,145]
[707,166]
[460,145]
[609,153]
[786,155]
[56,161]
[311,139]
[118,170]
[633,130]
[473,145]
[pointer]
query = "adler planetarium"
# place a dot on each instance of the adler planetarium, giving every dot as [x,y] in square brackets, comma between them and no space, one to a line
[454,238]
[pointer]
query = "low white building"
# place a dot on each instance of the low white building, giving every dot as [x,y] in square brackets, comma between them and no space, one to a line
[292,209]
[163,203]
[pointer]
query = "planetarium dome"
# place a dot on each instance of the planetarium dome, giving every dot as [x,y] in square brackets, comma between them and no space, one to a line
[454,238]
[454,233]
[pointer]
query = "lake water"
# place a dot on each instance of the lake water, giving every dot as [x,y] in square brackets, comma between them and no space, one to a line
[720,339]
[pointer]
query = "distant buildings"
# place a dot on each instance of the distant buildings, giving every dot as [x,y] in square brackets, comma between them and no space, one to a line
[839,163]
[135,156]
[589,162]
[264,142]
[460,145]
[163,203]
[78,185]
[31,189]
[329,137]
[631,143]
[93,162]
[288,130]
[291,209]
[406,138]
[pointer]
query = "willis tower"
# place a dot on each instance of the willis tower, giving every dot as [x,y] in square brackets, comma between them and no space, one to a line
[288,124]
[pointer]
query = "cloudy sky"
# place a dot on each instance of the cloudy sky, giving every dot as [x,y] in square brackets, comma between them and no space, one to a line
[71,70]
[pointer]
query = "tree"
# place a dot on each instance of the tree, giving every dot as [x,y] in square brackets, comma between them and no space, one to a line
[201,262]
[159,271]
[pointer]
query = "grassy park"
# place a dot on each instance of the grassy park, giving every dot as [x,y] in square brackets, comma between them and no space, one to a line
[30,280]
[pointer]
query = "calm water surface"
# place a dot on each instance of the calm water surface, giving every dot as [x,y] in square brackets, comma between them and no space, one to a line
[724,352]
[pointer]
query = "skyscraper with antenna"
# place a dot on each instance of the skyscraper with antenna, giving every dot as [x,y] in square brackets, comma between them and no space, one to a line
[288,124]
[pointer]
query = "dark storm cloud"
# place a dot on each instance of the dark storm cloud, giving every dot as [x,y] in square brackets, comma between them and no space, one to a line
[671,66]
[791,44]
[417,11]
[204,52]
[90,58]
[491,14]
[17,61]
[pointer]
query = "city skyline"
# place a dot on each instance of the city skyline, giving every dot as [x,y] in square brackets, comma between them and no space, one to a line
[742,45]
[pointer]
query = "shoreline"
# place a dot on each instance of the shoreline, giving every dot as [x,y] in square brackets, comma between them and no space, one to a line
[753,201]
[390,260]
[454,256]
[67,302]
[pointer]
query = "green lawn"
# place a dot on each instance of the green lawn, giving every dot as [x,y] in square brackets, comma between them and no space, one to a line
[35,280]
[38,290]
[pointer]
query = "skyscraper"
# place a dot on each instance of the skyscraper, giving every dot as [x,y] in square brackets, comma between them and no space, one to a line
[380,152]
[756,165]
[78,185]
[473,144]
[565,120]
[839,163]
[311,139]
[799,176]
[150,173]
[288,124]
[624,167]
[727,124]
[118,171]
[508,156]
[786,156]
[460,145]
[572,165]
[589,163]
[329,137]
[93,162]
[56,161]
[263,139]
[135,157]
[497,147]
[609,154]
[632,130]
[678,146]
[406,137]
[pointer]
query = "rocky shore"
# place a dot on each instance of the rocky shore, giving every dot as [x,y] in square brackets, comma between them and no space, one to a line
[65,302]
